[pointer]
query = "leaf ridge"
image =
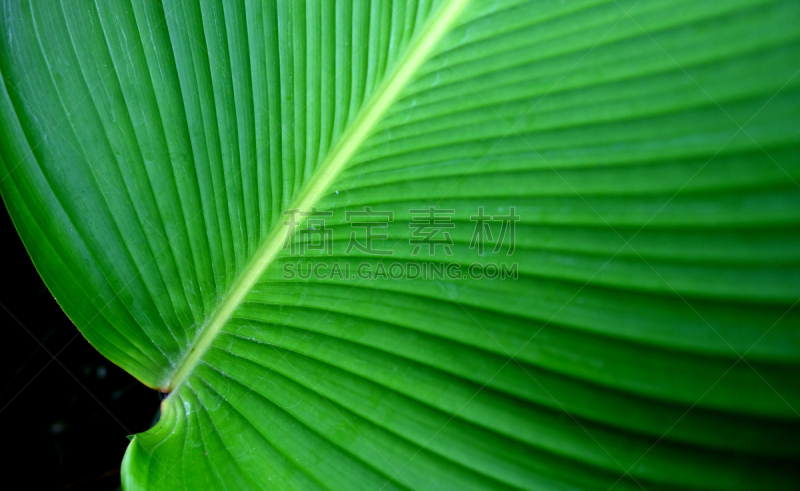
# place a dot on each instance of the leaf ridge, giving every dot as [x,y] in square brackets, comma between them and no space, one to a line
[336,161]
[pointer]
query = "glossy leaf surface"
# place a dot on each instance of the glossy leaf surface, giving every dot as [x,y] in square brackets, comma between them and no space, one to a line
[149,152]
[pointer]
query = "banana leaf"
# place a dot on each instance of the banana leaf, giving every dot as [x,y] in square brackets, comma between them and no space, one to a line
[423,244]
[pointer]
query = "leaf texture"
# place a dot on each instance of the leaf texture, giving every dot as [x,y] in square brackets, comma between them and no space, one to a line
[148,152]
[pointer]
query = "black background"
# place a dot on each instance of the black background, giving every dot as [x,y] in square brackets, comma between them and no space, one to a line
[64,424]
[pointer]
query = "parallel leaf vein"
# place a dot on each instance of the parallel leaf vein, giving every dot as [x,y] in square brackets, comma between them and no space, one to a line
[337,160]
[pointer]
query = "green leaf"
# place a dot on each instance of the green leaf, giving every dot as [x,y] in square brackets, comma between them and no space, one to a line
[650,148]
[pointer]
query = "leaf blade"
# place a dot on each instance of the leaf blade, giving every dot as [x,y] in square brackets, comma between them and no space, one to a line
[649,191]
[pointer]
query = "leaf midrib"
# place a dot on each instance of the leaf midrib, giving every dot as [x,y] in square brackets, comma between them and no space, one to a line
[335,162]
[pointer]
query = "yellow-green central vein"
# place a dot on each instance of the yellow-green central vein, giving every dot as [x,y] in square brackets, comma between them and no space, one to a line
[406,67]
